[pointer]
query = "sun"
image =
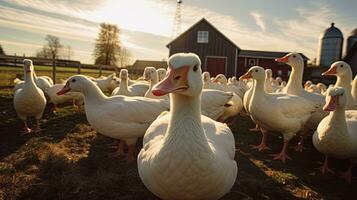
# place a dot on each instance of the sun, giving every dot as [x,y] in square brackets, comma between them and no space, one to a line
[155,16]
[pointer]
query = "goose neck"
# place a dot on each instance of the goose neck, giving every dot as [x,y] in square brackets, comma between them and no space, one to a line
[92,92]
[344,80]
[185,122]
[29,79]
[338,118]
[123,85]
[294,85]
[259,85]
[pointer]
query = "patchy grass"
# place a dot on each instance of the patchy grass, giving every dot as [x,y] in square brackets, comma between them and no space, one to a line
[68,160]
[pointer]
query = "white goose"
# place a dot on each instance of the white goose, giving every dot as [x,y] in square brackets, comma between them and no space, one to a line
[267,83]
[336,135]
[290,112]
[118,117]
[41,81]
[354,89]
[106,83]
[161,72]
[294,87]
[322,87]
[136,89]
[186,155]
[343,72]
[29,100]
[75,97]
[206,77]
[151,75]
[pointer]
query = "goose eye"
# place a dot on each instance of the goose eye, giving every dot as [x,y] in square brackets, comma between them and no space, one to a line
[294,56]
[195,68]
[341,65]
[73,80]
[256,70]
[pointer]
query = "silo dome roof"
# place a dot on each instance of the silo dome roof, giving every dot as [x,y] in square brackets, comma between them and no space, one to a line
[354,33]
[332,32]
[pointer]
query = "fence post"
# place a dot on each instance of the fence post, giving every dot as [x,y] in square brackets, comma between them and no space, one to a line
[54,70]
[79,68]
[100,70]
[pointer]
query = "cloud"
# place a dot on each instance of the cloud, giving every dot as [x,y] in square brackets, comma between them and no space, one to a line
[146,25]
[23,20]
[258,20]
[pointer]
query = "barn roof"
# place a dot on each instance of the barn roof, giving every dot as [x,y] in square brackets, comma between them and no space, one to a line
[265,54]
[203,20]
[141,64]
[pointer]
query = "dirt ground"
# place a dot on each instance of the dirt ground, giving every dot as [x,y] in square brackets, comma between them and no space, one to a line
[68,160]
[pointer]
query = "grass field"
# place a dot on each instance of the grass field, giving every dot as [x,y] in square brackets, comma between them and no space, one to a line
[68,160]
[8,74]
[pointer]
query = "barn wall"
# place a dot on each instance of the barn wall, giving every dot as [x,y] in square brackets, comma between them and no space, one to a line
[243,66]
[217,45]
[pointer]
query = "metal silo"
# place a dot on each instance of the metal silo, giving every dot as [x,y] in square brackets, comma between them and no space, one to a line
[351,40]
[330,46]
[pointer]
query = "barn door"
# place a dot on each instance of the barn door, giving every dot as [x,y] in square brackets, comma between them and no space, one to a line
[216,65]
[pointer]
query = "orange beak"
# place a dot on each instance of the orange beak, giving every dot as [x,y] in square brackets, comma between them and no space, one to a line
[64,90]
[332,71]
[284,59]
[176,80]
[331,103]
[247,75]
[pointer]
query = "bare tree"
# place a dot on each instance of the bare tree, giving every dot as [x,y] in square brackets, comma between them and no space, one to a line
[107,46]
[125,57]
[52,51]
[68,52]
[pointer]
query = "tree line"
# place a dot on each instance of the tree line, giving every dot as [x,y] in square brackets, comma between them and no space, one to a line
[108,49]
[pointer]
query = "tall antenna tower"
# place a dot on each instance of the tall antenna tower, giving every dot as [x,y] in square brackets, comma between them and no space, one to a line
[176,29]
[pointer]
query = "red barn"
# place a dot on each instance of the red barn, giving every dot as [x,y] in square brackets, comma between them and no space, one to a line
[219,55]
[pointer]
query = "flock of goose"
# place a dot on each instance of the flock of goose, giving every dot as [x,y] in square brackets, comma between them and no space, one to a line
[188,153]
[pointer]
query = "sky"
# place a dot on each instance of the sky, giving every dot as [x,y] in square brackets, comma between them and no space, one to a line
[146,25]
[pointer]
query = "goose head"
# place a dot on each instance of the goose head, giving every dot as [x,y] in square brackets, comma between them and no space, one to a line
[28,66]
[150,73]
[220,78]
[255,72]
[161,73]
[123,74]
[322,87]
[339,68]
[307,84]
[183,76]
[283,84]
[293,59]
[74,84]
[335,98]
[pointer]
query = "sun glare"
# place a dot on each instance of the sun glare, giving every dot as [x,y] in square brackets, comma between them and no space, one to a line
[140,15]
